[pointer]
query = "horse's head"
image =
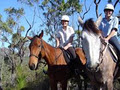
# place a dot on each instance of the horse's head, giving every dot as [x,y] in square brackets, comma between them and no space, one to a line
[35,48]
[91,43]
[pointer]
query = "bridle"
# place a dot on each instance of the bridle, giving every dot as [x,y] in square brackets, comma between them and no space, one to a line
[103,48]
[39,56]
[42,47]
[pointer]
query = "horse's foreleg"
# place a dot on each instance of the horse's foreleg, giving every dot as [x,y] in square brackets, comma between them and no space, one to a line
[53,84]
[64,85]
[110,84]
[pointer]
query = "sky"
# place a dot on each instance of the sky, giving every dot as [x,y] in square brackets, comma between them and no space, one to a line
[28,15]
[29,12]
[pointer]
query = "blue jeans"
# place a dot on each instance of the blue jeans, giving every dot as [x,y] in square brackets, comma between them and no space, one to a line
[114,41]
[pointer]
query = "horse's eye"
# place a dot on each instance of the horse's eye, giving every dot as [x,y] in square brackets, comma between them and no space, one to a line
[39,46]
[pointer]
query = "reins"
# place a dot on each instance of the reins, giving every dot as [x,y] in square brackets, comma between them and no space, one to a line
[102,52]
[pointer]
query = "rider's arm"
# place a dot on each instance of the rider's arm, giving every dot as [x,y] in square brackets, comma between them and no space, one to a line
[111,34]
[57,42]
[114,29]
[69,43]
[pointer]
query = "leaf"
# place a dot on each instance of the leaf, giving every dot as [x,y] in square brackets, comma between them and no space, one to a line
[22,28]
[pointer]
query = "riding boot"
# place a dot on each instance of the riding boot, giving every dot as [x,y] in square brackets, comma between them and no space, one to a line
[76,67]
[70,65]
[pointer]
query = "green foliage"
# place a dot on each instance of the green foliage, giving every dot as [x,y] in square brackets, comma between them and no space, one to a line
[21,78]
[45,2]
[78,32]
[6,28]
[0,17]
[15,12]
[6,60]
[54,9]
[68,7]
[22,28]
[109,1]
[15,38]
[10,22]
[29,2]
[39,81]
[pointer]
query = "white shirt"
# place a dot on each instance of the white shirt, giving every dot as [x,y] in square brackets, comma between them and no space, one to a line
[107,26]
[64,35]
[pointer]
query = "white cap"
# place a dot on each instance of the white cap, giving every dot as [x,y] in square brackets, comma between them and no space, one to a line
[65,17]
[109,6]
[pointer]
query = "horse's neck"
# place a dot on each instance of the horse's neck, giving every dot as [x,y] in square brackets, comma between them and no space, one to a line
[49,52]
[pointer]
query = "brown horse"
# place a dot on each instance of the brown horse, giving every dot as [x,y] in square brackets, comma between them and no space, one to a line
[58,70]
[100,66]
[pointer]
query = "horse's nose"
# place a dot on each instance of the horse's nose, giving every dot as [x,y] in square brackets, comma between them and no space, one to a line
[32,67]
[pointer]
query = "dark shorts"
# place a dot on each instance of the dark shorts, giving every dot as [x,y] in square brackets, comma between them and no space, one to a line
[71,51]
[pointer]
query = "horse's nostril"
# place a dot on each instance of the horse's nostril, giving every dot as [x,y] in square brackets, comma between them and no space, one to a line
[32,67]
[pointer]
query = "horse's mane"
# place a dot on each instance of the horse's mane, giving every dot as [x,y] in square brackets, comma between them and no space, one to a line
[91,26]
[43,41]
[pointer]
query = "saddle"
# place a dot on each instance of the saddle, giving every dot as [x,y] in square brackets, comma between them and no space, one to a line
[67,56]
[69,60]
[114,52]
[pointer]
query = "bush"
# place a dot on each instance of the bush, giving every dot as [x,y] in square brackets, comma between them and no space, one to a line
[21,78]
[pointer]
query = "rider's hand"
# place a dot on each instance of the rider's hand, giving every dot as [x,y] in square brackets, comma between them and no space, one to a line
[65,48]
[106,39]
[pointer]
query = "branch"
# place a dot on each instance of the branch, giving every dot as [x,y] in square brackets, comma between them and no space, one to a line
[23,41]
[96,3]
[116,3]
[30,26]
[6,39]
[8,56]
[87,10]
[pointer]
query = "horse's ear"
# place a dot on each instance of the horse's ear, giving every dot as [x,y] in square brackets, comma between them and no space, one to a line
[29,37]
[99,20]
[41,34]
[80,21]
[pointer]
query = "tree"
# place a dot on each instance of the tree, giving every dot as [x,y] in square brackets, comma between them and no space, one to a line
[49,13]
[52,12]
[12,34]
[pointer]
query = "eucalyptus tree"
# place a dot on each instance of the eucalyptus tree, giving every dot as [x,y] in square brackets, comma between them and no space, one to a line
[11,35]
[55,9]
[51,11]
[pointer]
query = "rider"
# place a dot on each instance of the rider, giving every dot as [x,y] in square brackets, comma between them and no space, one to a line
[64,38]
[109,27]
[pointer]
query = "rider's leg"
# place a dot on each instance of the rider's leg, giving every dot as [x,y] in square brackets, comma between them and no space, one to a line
[114,41]
[71,51]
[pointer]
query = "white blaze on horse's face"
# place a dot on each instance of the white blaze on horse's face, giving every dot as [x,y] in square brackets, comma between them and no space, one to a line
[91,46]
